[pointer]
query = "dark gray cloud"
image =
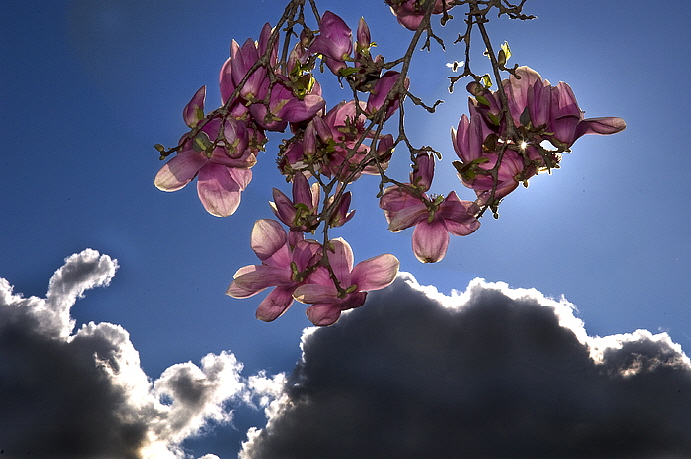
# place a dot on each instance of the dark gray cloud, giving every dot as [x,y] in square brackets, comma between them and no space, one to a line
[84,394]
[490,373]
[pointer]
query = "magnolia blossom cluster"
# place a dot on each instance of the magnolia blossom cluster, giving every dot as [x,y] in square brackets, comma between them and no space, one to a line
[259,95]
[511,134]
[293,266]
[539,113]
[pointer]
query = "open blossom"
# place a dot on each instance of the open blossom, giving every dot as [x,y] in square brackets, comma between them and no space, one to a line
[433,217]
[326,303]
[285,260]
[221,166]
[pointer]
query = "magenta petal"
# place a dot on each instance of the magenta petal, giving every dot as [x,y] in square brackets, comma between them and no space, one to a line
[283,207]
[179,171]
[218,192]
[296,110]
[430,241]
[375,273]
[194,110]
[267,237]
[302,192]
[275,304]
[323,314]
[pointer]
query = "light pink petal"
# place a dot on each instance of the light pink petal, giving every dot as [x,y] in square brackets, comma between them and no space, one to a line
[218,192]
[316,293]
[408,216]
[305,251]
[375,273]
[601,126]
[267,237]
[341,260]
[179,170]
[255,281]
[430,241]
[323,314]
[243,177]
[225,81]
[275,304]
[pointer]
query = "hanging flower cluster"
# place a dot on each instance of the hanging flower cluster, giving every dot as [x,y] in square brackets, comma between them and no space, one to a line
[510,135]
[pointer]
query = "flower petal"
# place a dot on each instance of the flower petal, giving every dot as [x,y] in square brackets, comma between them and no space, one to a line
[323,314]
[218,191]
[430,241]
[275,304]
[316,293]
[375,273]
[268,236]
[602,126]
[179,171]
[253,282]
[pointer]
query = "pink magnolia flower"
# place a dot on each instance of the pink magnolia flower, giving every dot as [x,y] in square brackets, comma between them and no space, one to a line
[334,42]
[285,261]
[222,166]
[300,213]
[433,218]
[410,12]
[322,295]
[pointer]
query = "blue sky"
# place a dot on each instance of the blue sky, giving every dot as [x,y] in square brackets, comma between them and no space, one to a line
[87,88]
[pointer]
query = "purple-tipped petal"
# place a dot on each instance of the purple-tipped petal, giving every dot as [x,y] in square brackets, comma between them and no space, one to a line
[179,170]
[375,273]
[430,241]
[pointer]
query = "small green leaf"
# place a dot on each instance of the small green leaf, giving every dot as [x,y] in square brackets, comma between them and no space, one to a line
[483,100]
[486,81]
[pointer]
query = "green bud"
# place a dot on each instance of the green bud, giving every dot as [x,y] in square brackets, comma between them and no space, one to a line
[159,148]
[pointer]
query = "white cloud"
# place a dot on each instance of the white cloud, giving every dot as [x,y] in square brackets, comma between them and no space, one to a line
[84,394]
[489,372]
